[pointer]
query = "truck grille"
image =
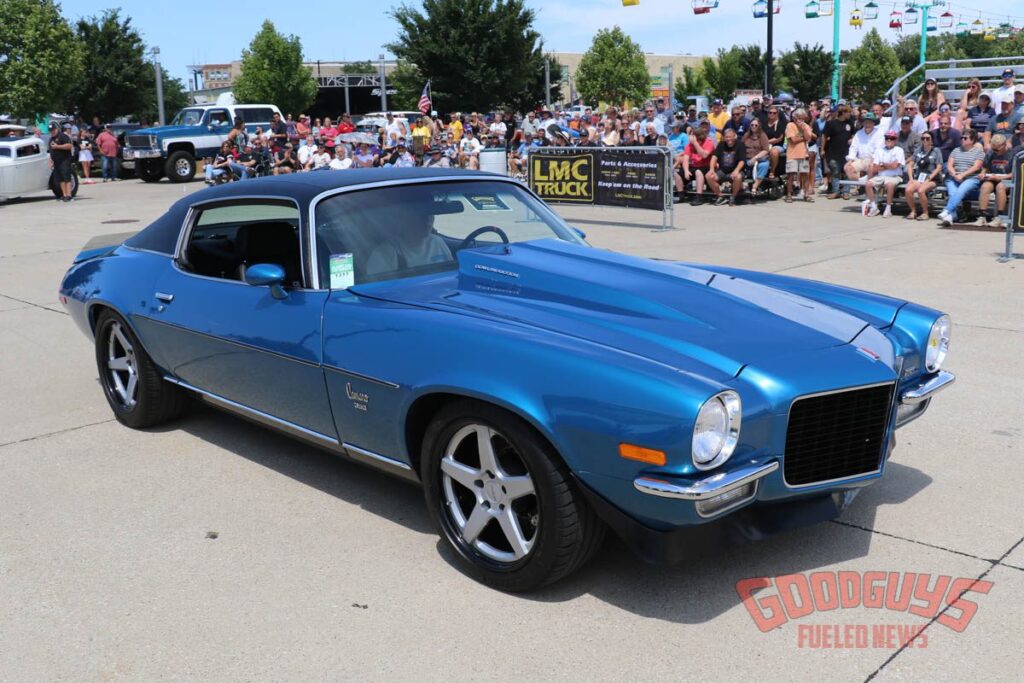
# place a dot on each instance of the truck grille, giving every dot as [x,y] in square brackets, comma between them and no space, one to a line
[143,141]
[836,435]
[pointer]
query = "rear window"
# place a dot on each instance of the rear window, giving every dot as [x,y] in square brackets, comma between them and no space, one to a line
[255,114]
[5,152]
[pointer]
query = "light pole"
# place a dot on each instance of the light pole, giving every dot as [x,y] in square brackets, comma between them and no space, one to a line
[383,86]
[768,66]
[924,7]
[159,85]
[835,52]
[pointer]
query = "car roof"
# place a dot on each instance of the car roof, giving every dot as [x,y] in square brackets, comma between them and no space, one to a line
[303,187]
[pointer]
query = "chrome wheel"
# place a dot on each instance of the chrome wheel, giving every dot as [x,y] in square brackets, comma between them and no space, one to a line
[182,167]
[489,495]
[122,370]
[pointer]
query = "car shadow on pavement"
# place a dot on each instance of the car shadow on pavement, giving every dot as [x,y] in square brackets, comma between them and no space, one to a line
[693,591]
[381,494]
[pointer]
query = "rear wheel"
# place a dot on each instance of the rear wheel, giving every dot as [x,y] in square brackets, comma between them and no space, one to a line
[149,172]
[502,499]
[133,385]
[180,167]
[55,185]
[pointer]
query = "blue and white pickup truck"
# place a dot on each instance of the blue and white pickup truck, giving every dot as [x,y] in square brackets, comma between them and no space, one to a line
[194,133]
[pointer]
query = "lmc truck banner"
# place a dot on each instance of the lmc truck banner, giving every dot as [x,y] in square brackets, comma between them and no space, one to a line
[599,175]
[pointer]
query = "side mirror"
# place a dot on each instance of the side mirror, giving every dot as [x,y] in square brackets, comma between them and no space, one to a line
[267,274]
[579,232]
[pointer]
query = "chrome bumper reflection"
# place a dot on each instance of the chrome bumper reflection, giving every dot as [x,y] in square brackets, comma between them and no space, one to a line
[930,386]
[709,487]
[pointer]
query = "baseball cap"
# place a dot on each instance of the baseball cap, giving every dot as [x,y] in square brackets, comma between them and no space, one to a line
[54,124]
[1008,73]
[1018,88]
[906,119]
[717,101]
[870,116]
[890,135]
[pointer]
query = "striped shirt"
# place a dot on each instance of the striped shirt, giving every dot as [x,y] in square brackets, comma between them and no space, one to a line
[964,159]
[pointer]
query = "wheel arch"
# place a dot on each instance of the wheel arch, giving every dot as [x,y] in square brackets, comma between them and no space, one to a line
[426,405]
[181,146]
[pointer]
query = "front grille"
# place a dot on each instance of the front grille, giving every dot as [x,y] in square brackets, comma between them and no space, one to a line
[138,140]
[836,435]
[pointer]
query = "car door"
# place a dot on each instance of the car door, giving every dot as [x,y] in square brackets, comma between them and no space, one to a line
[218,125]
[32,172]
[256,346]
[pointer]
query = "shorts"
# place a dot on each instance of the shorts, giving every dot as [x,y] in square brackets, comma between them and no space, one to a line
[62,171]
[861,165]
[879,180]
[722,176]
[797,166]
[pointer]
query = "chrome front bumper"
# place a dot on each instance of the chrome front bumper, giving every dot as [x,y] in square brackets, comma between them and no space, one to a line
[927,388]
[132,154]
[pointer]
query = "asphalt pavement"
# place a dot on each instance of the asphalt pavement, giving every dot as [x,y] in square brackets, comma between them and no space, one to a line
[213,549]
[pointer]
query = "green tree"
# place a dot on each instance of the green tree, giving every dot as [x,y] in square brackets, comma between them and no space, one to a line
[752,62]
[478,54]
[273,72]
[691,84]
[176,97]
[114,73]
[409,82]
[807,71]
[723,73]
[363,67]
[613,70]
[871,68]
[39,57]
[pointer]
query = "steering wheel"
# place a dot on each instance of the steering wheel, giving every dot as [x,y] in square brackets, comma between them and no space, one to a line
[471,237]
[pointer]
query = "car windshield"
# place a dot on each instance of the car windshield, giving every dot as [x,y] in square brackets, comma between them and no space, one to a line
[407,230]
[188,117]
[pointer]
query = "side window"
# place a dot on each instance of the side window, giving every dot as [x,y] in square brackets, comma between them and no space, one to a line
[228,238]
[219,117]
[255,114]
[28,151]
[5,152]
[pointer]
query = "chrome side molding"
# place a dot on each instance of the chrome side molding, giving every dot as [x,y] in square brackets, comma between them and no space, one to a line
[927,388]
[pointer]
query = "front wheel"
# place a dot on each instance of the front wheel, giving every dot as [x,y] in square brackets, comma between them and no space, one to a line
[148,172]
[133,385]
[181,167]
[502,499]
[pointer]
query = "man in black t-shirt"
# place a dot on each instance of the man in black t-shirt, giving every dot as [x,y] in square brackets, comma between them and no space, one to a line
[836,145]
[996,175]
[774,126]
[278,133]
[60,160]
[727,162]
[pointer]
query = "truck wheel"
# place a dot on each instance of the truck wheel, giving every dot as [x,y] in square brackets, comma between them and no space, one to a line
[180,167]
[148,173]
[502,500]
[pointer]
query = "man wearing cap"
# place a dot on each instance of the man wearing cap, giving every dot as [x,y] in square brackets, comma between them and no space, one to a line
[1005,91]
[862,149]
[60,160]
[106,143]
[1018,98]
[1004,122]
[907,138]
[718,117]
[886,170]
[245,164]
[996,174]
[435,159]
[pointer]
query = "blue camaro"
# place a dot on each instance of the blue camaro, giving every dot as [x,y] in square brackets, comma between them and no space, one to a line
[449,328]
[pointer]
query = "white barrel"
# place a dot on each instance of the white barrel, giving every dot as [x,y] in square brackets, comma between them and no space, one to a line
[494,160]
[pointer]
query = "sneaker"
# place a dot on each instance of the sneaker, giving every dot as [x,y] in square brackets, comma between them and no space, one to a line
[945,220]
[697,201]
[732,201]
[865,207]
[997,222]
[720,201]
[873,210]
[888,211]
[980,223]
[822,188]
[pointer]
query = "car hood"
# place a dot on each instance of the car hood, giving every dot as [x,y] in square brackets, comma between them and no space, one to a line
[168,130]
[689,318]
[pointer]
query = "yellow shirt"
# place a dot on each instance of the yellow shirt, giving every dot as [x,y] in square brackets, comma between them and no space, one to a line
[456,128]
[718,121]
[421,132]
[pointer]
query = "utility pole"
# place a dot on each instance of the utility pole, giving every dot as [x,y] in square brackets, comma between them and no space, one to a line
[835,52]
[159,85]
[547,83]
[383,86]
[768,56]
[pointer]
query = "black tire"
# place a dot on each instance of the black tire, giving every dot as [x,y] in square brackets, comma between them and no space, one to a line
[566,533]
[148,172]
[55,185]
[180,167]
[155,399]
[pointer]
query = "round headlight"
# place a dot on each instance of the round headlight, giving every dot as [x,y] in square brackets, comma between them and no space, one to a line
[717,430]
[938,344]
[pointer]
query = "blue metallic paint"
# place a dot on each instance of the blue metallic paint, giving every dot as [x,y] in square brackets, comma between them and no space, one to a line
[592,348]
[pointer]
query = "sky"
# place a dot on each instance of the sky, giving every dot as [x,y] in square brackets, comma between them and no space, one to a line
[200,31]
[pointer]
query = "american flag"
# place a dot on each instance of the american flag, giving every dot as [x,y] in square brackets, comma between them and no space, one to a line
[424,105]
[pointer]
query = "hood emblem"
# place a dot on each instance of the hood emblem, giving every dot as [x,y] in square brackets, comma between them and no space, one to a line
[497,271]
[869,353]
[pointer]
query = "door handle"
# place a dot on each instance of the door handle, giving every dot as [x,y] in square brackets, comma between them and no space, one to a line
[166,298]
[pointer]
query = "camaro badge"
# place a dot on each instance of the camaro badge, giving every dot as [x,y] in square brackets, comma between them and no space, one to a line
[359,400]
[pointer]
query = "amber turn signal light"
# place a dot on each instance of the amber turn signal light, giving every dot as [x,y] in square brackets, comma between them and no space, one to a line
[648,455]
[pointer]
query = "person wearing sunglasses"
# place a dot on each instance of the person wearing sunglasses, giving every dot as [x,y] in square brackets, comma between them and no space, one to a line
[924,169]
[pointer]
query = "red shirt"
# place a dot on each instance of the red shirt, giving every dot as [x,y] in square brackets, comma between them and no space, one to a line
[107,144]
[345,127]
[695,159]
[328,134]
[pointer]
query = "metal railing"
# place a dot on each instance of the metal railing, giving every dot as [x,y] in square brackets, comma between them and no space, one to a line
[955,73]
